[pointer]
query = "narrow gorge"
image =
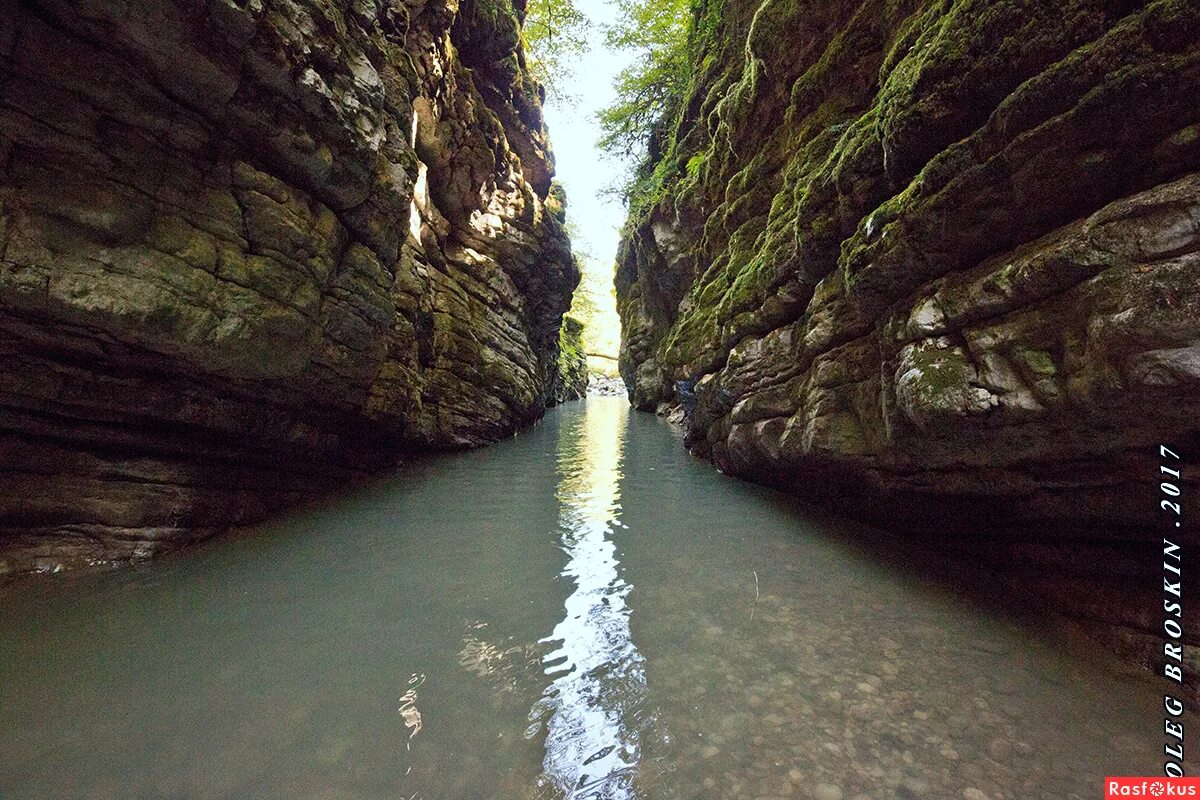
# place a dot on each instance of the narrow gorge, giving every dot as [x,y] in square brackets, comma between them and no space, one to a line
[837,440]
[934,264]
[253,251]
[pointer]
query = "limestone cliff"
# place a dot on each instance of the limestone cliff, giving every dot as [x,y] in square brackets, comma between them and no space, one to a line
[938,263]
[253,248]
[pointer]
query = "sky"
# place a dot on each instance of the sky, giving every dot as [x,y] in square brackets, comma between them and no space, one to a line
[582,170]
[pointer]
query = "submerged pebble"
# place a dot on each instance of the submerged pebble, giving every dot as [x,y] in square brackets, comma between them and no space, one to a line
[827,791]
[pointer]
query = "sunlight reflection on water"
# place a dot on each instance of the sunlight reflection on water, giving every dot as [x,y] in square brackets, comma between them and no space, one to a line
[599,677]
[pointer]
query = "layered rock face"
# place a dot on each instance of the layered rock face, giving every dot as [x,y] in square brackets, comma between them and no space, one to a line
[251,250]
[938,264]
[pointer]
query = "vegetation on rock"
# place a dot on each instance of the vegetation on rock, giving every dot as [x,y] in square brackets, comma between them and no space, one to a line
[914,253]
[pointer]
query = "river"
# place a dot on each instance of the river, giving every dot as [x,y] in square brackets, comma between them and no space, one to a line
[581,611]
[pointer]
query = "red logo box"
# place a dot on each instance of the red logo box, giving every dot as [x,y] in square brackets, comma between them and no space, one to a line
[1116,788]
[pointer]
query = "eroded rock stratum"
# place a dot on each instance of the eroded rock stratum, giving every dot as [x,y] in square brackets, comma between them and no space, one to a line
[252,249]
[938,264]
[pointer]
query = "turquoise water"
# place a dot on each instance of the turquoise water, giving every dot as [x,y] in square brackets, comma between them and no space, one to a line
[581,611]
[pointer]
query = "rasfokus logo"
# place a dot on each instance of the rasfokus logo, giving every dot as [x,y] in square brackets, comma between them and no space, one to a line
[1151,787]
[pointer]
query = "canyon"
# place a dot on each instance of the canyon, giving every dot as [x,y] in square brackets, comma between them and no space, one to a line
[929,264]
[919,277]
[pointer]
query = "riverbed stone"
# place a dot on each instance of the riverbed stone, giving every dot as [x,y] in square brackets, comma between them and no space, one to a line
[827,791]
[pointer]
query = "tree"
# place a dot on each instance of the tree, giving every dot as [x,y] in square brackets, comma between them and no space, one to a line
[651,88]
[555,34]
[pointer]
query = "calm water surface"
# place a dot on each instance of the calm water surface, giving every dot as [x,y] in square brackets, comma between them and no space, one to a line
[583,611]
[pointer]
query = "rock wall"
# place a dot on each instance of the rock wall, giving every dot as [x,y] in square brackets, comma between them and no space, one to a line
[251,250]
[572,362]
[938,264]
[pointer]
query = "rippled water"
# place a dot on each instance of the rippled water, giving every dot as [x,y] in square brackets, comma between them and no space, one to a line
[583,611]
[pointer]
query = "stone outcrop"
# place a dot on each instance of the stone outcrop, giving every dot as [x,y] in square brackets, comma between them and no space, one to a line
[252,250]
[938,264]
[572,374]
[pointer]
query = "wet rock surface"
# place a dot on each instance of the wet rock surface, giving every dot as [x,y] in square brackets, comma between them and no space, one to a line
[251,251]
[936,265]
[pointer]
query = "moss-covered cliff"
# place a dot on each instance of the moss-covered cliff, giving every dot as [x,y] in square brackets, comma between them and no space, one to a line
[936,262]
[251,250]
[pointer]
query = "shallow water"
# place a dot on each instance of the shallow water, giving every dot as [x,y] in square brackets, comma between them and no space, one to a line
[581,611]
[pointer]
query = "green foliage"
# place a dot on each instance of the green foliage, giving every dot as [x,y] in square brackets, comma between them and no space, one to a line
[555,34]
[704,34]
[594,303]
[583,305]
[648,182]
[652,87]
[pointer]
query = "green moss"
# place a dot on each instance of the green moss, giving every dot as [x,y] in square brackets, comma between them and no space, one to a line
[1038,362]
[556,202]
[1186,136]
[572,360]
[939,375]
[921,134]
[487,32]
[706,28]
[570,343]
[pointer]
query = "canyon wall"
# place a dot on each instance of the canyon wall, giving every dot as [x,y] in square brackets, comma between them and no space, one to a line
[252,250]
[937,264]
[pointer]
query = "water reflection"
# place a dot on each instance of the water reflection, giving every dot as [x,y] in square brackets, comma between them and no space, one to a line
[783,662]
[408,710]
[598,692]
